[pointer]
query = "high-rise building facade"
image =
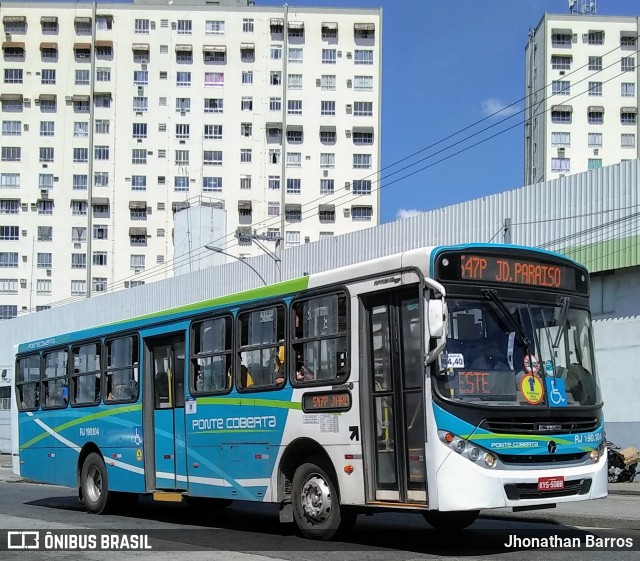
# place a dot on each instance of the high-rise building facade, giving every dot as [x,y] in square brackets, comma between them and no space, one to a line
[116,116]
[581,90]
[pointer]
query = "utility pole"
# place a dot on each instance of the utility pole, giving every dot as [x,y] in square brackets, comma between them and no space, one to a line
[258,239]
[506,231]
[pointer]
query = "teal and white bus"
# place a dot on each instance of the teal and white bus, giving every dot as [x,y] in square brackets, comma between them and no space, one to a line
[440,380]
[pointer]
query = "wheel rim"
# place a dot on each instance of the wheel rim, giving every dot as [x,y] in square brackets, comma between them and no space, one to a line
[93,486]
[316,499]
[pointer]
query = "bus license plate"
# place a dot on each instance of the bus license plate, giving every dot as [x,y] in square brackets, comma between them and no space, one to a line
[551,483]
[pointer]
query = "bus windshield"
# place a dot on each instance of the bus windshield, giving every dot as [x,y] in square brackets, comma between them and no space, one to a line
[502,353]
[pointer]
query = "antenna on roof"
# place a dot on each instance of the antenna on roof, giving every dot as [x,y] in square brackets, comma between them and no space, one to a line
[582,7]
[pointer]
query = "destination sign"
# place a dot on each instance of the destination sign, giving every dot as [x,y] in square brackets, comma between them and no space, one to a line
[326,402]
[501,269]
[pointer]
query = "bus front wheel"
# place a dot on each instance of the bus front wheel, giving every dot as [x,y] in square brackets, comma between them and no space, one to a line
[316,505]
[95,485]
[453,520]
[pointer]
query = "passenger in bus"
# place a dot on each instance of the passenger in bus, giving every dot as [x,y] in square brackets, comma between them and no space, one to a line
[280,366]
[303,374]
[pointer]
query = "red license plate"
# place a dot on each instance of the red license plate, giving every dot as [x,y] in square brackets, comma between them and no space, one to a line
[551,483]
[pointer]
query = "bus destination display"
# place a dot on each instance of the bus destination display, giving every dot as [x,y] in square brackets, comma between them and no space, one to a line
[508,270]
[326,402]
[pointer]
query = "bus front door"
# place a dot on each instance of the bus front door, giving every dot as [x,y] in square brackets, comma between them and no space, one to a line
[393,375]
[166,371]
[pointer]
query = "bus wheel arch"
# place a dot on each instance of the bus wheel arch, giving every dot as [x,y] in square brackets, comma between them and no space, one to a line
[87,449]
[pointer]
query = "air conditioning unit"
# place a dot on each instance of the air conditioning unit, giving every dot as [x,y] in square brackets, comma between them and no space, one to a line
[349,55]
[7,36]
[347,133]
[44,194]
[349,83]
[25,206]
[23,282]
[325,173]
[595,151]
[347,186]
[77,246]
[318,82]
[48,272]
[347,212]
[349,109]
[26,100]
[68,98]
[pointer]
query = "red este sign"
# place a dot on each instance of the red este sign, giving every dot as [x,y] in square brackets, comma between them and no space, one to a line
[555,483]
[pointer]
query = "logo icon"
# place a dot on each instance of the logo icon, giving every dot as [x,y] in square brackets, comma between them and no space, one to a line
[552,447]
[23,540]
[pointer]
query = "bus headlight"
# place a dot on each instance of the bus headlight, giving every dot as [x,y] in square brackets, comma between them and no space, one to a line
[474,453]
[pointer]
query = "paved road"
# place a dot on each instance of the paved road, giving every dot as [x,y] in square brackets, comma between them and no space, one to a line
[248,532]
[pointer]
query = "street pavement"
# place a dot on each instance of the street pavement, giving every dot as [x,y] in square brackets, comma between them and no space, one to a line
[620,510]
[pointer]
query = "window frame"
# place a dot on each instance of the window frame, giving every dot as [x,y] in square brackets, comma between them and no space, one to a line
[21,383]
[107,369]
[193,356]
[73,377]
[44,380]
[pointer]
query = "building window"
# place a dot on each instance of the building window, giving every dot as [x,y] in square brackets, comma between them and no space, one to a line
[82,77]
[327,107]
[80,155]
[294,136]
[100,258]
[273,208]
[275,104]
[78,287]
[275,52]
[213,105]
[559,116]
[183,105]
[137,262]
[275,78]
[595,140]
[8,311]
[141,104]
[245,155]
[182,157]
[294,107]
[326,216]
[100,232]
[294,186]
[594,163]
[212,157]
[561,62]
[328,137]
[595,63]
[78,260]
[79,208]
[101,179]
[138,156]
[292,238]
[13,76]
[329,56]
[99,284]
[627,118]
[363,108]
[43,286]
[295,55]
[326,186]
[361,187]
[140,77]
[294,81]
[80,129]
[46,106]
[246,129]
[328,82]
[595,38]
[362,138]
[245,182]
[213,132]
[45,181]
[363,56]
[48,76]
[11,154]
[361,213]
[80,182]
[628,140]
[561,87]
[294,159]
[10,259]
[10,206]
[103,74]
[45,233]
[79,233]
[139,130]
[10,181]
[274,155]
[212,184]
[9,233]
[595,89]
[561,165]
[14,128]
[138,182]
[362,161]
[628,64]
[181,183]
[47,128]
[561,40]
[628,89]
[327,160]
[184,27]
[274,182]
[246,104]
[214,27]
[141,26]
[183,79]
[363,83]
[247,77]
[247,25]
[101,153]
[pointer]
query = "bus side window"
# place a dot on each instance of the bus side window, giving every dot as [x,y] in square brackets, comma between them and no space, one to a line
[211,356]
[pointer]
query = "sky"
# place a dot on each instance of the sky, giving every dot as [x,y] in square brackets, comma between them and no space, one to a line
[446,65]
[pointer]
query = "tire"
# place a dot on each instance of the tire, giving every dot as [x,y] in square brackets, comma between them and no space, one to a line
[316,504]
[95,485]
[453,520]
[204,503]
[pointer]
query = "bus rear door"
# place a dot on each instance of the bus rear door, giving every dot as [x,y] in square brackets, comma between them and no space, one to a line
[164,413]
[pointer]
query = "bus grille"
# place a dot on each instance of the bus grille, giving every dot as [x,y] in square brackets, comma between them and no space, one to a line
[542,458]
[520,425]
[524,491]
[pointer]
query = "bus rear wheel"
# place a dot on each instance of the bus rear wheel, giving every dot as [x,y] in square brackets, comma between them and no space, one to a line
[95,485]
[453,520]
[316,505]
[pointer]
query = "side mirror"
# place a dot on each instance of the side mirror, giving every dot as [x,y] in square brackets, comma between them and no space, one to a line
[435,318]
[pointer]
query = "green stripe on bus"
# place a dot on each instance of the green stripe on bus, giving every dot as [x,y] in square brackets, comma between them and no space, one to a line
[285,287]
[248,401]
[539,438]
[91,417]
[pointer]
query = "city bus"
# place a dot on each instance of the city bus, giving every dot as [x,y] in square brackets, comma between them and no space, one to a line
[441,380]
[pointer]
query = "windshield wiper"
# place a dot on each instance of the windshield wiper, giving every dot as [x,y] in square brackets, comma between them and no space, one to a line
[492,295]
[566,300]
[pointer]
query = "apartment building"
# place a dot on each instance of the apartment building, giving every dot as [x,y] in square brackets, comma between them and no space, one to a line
[581,108]
[117,116]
